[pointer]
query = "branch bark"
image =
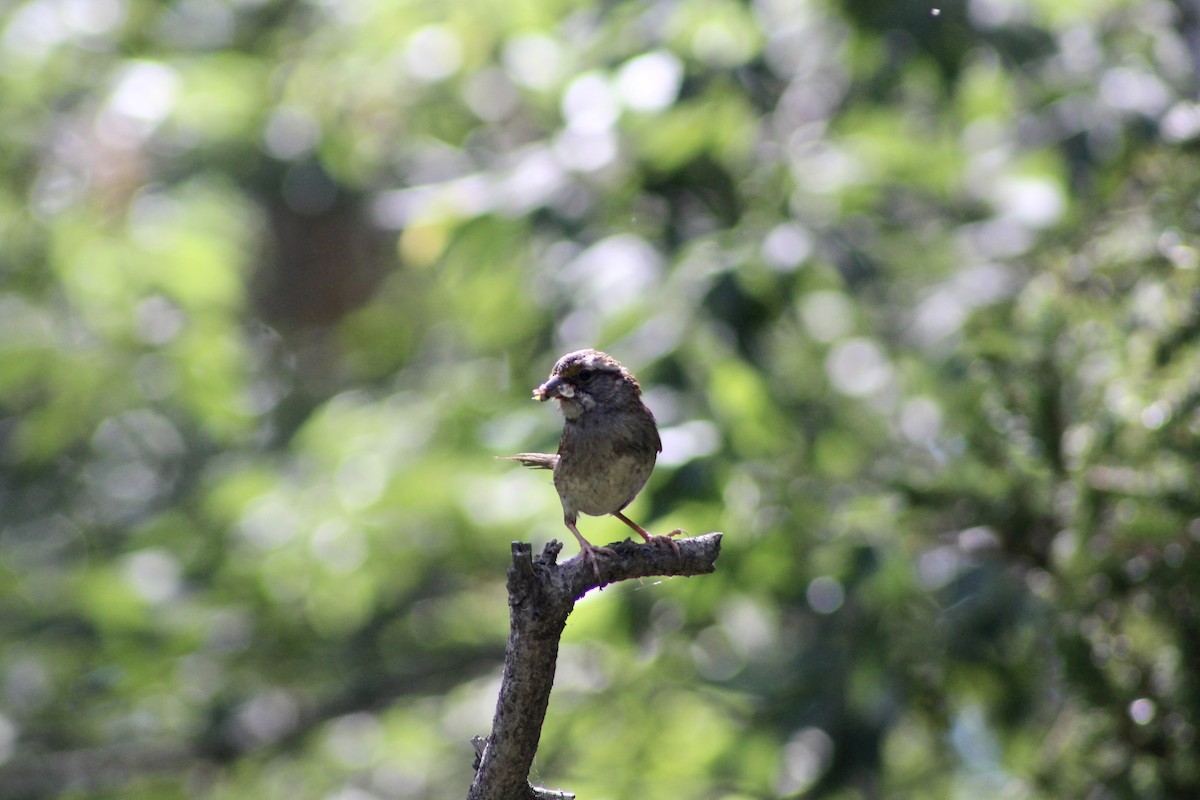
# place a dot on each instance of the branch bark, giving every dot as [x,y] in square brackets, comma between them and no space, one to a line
[541,595]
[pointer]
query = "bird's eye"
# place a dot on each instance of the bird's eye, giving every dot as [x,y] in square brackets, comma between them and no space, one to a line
[586,374]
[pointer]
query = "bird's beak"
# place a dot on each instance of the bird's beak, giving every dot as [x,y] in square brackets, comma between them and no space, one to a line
[553,388]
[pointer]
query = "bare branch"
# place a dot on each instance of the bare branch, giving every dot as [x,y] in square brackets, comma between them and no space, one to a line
[541,595]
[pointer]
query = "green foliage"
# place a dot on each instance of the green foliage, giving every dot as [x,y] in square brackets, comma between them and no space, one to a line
[913,295]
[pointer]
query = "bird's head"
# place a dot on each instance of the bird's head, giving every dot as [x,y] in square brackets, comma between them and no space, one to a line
[588,379]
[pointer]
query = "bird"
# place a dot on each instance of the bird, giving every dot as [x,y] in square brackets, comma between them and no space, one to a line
[609,443]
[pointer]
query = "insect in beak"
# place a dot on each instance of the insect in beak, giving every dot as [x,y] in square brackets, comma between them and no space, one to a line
[554,388]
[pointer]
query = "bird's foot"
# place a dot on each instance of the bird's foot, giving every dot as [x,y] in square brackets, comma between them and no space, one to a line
[588,552]
[669,539]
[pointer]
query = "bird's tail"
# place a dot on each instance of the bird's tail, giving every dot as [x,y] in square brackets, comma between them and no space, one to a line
[534,460]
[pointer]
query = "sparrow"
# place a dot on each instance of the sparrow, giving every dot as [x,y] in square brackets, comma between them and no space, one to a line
[608,447]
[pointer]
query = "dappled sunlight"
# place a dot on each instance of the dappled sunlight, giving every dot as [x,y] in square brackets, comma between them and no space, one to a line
[691,440]
[154,574]
[910,290]
[858,367]
[514,498]
[806,756]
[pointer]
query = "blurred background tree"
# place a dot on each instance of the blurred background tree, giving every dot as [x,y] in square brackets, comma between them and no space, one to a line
[914,291]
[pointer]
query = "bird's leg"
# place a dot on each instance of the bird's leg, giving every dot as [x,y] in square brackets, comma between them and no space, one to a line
[633,525]
[587,549]
[651,538]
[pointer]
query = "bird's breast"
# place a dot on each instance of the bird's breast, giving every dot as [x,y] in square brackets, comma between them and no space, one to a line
[600,475]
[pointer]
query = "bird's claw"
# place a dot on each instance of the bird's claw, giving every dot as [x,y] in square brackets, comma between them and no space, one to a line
[590,552]
[669,539]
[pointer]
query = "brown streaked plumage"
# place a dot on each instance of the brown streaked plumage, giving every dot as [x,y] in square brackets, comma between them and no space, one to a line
[609,442]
